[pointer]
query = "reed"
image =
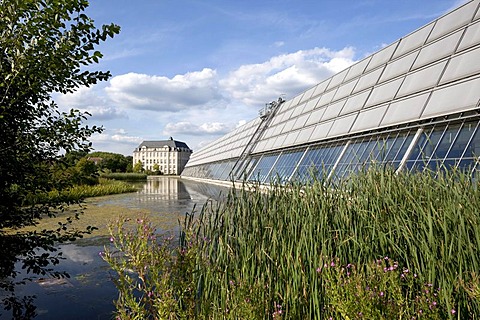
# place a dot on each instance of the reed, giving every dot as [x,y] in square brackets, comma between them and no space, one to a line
[130,176]
[80,192]
[272,244]
[378,245]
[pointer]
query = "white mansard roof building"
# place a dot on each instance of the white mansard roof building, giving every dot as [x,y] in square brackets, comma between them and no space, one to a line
[170,155]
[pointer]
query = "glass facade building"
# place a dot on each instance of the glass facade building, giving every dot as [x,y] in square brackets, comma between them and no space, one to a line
[414,105]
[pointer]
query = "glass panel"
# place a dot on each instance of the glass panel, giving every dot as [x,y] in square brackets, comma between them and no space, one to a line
[344,90]
[284,167]
[446,142]
[369,119]
[413,40]
[337,79]
[422,79]
[357,69]
[453,98]
[382,56]
[462,66]
[473,148]
[424,148]
[317,162]
[263,168]
[398,67]
[368,80]
[355,102]
[404,110]
[342,125]
[400,147]
[242,174]
[437,50]
[321,87]
[384,92]
[471,37]
[453,20]
[462,140]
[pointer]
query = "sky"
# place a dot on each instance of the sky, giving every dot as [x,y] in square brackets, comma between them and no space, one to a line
[195,70]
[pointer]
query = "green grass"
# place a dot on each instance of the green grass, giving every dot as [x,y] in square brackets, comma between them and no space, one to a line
[271,244]
[378,245]
[124,176]
[79,192]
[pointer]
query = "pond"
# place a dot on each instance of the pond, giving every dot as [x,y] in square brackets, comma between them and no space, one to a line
[89,292]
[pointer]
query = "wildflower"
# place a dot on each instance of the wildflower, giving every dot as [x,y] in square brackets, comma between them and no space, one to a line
[332,264]
[381,294]
[319,270]
[112,239]
[453,311]
[101,253]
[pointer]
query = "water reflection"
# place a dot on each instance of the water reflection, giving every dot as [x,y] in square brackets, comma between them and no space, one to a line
[89,293]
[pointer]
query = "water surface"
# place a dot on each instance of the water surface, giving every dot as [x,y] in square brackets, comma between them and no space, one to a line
[89,292]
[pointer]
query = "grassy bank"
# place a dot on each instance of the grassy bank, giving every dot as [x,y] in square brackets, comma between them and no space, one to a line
[130,176]
[378,245]
[76,193]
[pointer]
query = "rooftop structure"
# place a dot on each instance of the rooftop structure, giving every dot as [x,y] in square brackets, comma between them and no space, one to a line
[170,156]
[414,105]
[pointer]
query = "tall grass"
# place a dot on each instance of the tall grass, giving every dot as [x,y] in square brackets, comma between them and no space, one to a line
[79,192]
[378,245]
[131,176]
[272,244]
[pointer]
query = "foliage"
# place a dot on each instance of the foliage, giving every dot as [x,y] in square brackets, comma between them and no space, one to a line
[46,47]
[154,279]
[262,253]
[138,167]
[111,162]
[156,169]
[79,192]
[382,290]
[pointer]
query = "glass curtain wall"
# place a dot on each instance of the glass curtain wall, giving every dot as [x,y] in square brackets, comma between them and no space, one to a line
[453,143]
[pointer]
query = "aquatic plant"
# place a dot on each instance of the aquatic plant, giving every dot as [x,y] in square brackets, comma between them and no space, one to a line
[261,253]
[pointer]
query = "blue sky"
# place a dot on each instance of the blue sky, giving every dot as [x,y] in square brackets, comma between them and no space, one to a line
[196,69]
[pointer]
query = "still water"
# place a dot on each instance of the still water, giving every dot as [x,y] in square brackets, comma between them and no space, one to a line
[89,292]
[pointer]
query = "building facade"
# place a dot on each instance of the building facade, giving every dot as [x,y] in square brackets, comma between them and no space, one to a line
[414,105]
[170,155]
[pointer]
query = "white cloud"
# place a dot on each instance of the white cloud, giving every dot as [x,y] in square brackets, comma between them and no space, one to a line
[198,106]
[158,93]
[91,100]
[210,128]
[117,141]
[288,74]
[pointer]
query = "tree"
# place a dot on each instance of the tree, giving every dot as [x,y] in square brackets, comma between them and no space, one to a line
[156,169]
[129,164]
[138,167]
[46,47]
[113,162]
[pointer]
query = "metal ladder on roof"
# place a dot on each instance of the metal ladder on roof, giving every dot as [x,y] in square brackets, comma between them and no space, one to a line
[266,115]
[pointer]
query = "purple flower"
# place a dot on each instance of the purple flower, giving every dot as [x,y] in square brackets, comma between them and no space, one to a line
[319,269]
[453,311]
[112,239]
[332,264]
